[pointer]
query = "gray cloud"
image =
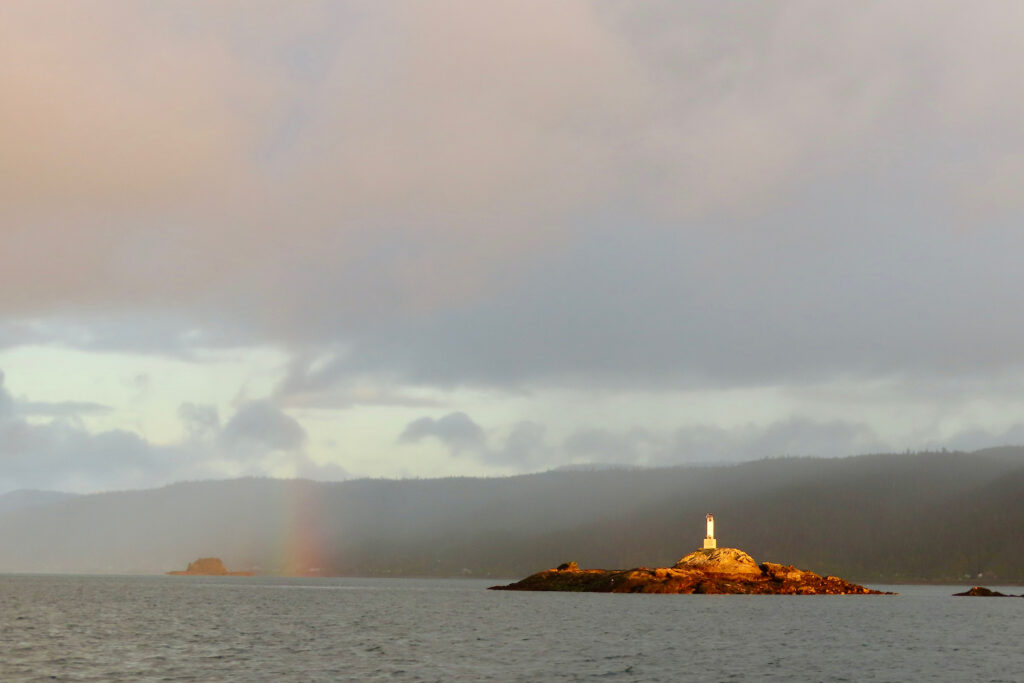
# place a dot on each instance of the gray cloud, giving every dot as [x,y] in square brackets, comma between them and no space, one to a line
[261,423]
[14,333]
[63,454]
[977,437]
[627,447]
[321,381]
[201,422]
[524,446]
[712,444]
[791,437]
[6,400]
[62,408]
[677,195]
[457,431]
[650,307]
[307,468]
[743,170]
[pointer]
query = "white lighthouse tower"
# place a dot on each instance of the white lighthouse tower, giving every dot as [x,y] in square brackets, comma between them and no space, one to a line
[709,541]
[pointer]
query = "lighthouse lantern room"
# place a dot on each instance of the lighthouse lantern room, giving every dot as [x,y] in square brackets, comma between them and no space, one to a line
[709,541]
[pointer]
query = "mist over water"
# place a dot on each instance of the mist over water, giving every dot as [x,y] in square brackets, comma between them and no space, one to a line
[158,628]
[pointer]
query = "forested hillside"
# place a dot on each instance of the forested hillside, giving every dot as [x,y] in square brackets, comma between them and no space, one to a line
[906,517]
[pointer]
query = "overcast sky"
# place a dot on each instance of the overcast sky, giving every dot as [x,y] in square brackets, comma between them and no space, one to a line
[400,239]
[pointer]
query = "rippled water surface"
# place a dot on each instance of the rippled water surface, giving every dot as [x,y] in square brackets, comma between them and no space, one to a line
[255,629]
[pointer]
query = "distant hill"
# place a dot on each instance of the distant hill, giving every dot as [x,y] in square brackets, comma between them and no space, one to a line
[29,498]
[896,517]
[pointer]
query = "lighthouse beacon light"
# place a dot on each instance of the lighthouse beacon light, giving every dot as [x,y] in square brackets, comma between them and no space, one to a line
[709,540]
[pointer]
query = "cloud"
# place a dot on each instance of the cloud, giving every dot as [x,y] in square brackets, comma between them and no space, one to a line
[457,431]
[790,437]
[322,381]
[362,130]
[307,468]
[176,131]
[261,423]
[713,444]
[62,408]
[978,437]
[63,454]
[412,199]
[524,446]
[627,447]
[201,422]
[19,333]
[6,400]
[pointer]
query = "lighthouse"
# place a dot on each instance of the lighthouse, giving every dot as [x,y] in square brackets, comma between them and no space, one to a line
[709,541]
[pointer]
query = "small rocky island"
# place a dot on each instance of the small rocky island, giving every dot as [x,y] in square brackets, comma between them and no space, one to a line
[710,570]
[718,571]
[982,592]
[208,566]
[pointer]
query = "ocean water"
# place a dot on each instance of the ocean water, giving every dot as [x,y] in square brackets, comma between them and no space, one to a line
[113,628]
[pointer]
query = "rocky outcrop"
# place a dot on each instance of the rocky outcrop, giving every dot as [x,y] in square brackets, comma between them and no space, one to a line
[718,571]
[720,561]
[982,592]
[208,566]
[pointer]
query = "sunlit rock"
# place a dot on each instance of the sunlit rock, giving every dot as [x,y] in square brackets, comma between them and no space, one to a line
[719,571]
[720,561]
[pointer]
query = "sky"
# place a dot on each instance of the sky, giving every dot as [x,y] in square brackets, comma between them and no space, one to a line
[393,239]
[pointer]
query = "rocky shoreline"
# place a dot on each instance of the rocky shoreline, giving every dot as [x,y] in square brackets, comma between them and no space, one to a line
[718,571]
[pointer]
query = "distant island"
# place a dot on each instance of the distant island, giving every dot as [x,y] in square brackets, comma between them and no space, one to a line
[208,566]
[710,570]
